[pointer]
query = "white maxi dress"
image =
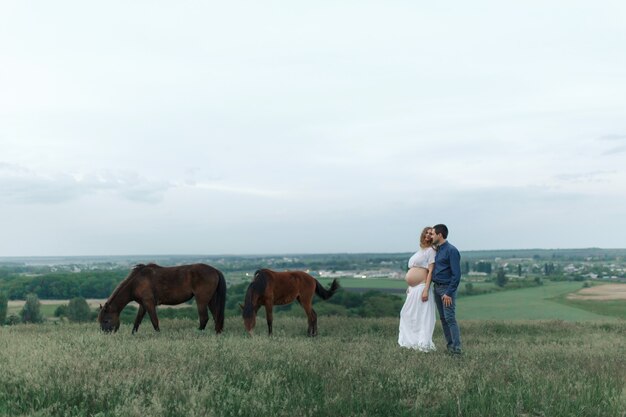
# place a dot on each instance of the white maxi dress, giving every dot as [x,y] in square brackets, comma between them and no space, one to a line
[417,318]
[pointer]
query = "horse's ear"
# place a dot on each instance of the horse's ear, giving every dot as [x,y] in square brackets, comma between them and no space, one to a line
[241,306]
[100,306]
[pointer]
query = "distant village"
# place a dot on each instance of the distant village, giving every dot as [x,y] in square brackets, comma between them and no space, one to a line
[565,264]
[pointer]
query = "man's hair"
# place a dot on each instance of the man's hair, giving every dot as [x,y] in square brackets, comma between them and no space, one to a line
[441,229]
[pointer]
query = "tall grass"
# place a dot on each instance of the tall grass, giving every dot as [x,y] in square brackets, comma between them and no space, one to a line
[353,368]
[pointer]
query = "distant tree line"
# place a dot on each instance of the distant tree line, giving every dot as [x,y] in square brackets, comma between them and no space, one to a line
[64,285]
[77,310]
[482,266]
[4,307]
[30,313]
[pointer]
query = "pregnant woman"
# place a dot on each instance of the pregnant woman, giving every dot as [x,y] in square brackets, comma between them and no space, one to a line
[417,318]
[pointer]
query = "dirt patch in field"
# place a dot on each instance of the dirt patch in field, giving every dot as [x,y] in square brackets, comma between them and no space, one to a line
[20,303]
[603,292]
[92,302]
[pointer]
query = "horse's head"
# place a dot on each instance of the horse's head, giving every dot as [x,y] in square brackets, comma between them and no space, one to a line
[108,318]
[249,323]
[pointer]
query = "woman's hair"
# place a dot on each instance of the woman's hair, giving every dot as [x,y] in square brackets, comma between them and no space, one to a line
[423,242]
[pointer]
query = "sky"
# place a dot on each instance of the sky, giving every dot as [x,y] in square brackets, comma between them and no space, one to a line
[278,127]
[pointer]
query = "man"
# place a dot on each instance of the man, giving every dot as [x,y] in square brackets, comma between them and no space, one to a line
[446,277]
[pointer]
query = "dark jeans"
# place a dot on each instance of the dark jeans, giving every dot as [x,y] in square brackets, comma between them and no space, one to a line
[448,319]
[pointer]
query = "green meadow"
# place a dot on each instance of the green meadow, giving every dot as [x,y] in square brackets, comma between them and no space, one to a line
[369,283]
[46,309]
[528,352]
[545,302]
[353,368]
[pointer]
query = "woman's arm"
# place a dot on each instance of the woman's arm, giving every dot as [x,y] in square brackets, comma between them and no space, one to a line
[427,282]
[412,260]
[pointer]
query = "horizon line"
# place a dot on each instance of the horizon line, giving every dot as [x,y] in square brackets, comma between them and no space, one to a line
[289,253]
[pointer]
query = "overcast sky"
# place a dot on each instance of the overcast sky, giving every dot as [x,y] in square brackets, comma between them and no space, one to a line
[298,127]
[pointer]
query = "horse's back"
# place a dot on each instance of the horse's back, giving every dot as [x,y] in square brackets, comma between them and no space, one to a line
[202,278]
[286,286]
[196,272]
[204,270]
[178,284]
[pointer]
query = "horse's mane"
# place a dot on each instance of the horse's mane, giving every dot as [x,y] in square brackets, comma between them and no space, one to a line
[136,269]
[257,286]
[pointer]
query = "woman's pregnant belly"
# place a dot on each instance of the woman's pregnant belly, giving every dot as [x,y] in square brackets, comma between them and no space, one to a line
[416,276]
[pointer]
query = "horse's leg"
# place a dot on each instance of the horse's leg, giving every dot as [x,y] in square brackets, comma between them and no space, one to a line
[140,313]
[311,316]
[314,322]
[151,309]
[269,316]
[203,314]
[214,309]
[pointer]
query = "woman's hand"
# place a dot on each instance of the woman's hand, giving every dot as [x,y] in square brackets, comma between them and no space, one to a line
[425,294]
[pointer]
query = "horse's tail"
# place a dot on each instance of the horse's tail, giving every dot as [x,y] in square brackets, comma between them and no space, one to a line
[324,293]
[218,302]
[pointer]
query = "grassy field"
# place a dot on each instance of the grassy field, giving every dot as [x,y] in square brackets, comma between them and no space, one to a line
[373,283]
[546,302]
[614,308]
[353,368]
[535,303]
[382,283]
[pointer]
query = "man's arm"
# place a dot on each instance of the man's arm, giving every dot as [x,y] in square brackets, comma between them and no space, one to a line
[455,268]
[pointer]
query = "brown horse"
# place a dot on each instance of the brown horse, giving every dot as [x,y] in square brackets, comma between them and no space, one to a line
[269,288]
[152,285]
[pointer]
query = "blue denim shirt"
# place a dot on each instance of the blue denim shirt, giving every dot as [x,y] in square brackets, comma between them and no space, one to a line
[447,267]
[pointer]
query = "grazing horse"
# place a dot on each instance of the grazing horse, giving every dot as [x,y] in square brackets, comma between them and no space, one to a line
[152,285]
[269,288]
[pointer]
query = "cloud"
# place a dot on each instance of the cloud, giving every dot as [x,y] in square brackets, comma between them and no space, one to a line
[234,189]
[592,176]
[615,150]
[612,137]
[21,185]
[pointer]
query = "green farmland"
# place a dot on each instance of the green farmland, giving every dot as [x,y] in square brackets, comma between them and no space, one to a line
[370,283]
[353,368]
[528,352]
[545,302]
[536,303]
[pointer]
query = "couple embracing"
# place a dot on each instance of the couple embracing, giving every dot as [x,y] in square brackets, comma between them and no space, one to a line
[433,277]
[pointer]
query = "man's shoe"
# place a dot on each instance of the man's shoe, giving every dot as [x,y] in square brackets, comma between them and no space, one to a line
[454,351]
